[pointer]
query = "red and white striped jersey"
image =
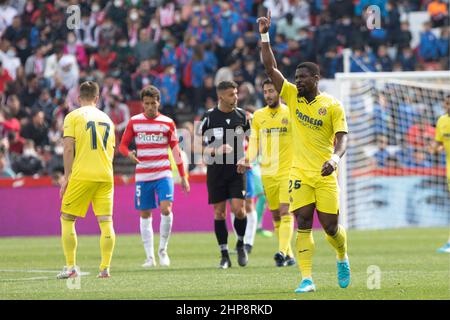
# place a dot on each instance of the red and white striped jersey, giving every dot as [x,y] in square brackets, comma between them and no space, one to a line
[153,137]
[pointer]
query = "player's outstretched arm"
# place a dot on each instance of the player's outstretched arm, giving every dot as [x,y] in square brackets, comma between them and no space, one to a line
[268,58]
[339,150]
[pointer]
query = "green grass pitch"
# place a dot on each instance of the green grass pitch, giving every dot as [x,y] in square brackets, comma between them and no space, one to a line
[410,269]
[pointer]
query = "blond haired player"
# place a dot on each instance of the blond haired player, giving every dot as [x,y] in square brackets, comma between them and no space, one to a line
[88,177]
[319,133]
[271,137]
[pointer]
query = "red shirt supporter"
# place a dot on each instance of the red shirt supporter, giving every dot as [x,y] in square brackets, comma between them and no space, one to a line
[153,137]
[4,78]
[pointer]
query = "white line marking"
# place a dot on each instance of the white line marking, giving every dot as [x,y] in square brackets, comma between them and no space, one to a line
[35,271]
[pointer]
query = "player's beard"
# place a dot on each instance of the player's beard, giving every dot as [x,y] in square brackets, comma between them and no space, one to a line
[273,105]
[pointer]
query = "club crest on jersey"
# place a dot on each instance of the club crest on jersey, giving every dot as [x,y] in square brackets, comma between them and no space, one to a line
[322,111]
[239,130]
[284,121]
[228,121]
[143,137]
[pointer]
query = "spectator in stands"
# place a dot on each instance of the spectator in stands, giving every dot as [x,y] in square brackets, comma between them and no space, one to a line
[107,32]
[118,113]
[362,61]
[292,57]
[306,44]
[103,59]
[5,77]
[405,115]
[344,31]
[75,48]
[144,77]
[228,28]
[382,116]
[36,130]
[384,62]
[428,47]
[438,11]
[88,32]
[68,71]
[55,162]
[144,48]
[331,63]
[407,59]
[29,163]
[392,21]
[8,57]
[35,64]
[5,169]
[45,104]
[32,92]
[443,46]
[418,159]
[420,134]
[325,36]
[340,8]
[7,14]
[382,155]
[16,143]
[15,31]
[169,86]
[289,26]
[247,96]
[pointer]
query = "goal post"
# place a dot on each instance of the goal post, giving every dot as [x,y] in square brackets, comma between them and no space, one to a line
[388,177]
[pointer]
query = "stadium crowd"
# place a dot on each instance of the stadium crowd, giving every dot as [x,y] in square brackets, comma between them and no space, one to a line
[185,48]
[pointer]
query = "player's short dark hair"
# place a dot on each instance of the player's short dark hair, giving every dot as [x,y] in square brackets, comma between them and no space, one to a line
[89,90]
[267,81]
[151,91]
[224,85]
[311,66]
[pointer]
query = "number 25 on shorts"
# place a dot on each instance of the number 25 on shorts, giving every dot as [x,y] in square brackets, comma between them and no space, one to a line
[296,184]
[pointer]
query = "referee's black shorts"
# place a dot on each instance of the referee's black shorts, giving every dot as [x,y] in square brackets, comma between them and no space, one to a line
[224,182]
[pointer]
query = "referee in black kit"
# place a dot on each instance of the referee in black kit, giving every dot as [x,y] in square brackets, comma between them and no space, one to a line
[223,130]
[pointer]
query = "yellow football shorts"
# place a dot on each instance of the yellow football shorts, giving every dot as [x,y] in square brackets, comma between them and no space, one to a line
[276,190]
[310,187]
[81,193]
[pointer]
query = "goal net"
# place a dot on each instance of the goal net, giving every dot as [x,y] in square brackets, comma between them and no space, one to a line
[389,178]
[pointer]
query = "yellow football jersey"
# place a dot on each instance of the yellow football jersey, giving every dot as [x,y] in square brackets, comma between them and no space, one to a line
[271,135]
[94,137]
[443,135]
[314,126]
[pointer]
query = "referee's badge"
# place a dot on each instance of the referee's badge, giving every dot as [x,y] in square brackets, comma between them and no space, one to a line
[322,111]
[239,130]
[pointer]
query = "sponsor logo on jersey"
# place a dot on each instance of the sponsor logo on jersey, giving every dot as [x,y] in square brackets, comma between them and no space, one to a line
[143,137]
[239,130]
[275,130]
[305,118]
[322,111]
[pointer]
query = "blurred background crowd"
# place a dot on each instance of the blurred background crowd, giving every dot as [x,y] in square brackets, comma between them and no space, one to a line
[185,48]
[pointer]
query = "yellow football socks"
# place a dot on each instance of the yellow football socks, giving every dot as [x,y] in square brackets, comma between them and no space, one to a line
[69,240]
[305,250]
[107,241]
[276,227]
[339,242]
[286,231]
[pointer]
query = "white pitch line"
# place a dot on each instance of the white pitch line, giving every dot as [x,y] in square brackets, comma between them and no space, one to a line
[35,271]
[31,271]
